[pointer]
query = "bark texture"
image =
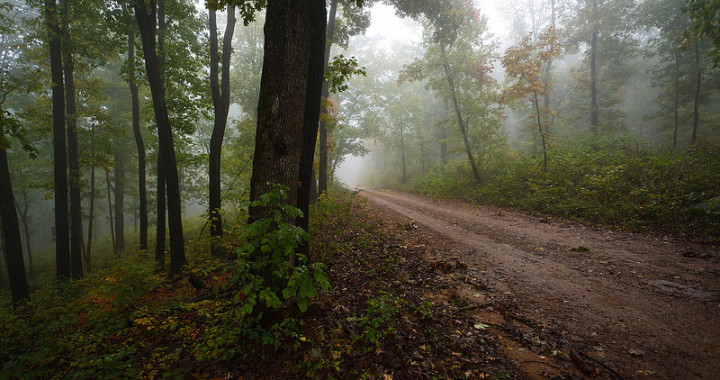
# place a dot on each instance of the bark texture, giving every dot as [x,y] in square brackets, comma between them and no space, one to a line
[146,18]
[283,94]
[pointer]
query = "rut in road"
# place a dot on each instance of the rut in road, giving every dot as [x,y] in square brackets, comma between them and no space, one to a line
[645,304]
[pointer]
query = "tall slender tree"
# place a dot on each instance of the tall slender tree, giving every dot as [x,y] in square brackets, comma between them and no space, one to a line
[146,15]
[62,232]
[221,103]
[72,144]
[137,134]
[323,164]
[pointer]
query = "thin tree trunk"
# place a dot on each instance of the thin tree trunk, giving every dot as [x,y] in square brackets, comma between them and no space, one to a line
[62,230]
[110,211]
[696,104]
[443,138]
[142,183]
[12,245]
[676,105]
[221,104]
[540,129]
[323,164]
[91,221]
[548,71]
[402,154]
[72,146]
[166,160]
[461,122]
[594,118]
[26,227]
[161,220]
[119,202]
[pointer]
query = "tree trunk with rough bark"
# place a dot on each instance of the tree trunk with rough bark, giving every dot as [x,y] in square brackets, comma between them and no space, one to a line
[60,170]
[146,18]
[283,102]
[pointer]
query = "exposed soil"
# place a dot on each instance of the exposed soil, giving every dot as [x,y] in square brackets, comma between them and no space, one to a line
[568,299]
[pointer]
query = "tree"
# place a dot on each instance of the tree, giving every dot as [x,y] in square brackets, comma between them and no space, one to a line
[680,69]
[221,105]
[355,21]
[289,100]
[456,67]
[62,232]
[603,29]
[12,244]
[137,134]
[68,66]
[705,15]
[524,65]
[145,15]
[10,81]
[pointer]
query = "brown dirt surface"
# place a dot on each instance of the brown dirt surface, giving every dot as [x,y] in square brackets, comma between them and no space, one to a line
[570,300]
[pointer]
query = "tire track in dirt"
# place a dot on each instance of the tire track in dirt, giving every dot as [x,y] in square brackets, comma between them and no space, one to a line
[643,304]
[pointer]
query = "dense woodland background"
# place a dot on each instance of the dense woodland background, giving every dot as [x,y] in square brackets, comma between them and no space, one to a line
[601,110]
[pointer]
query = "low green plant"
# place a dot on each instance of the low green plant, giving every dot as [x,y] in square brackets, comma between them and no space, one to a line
[376,322]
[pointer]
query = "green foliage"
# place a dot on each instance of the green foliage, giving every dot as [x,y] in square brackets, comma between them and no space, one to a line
[269,266]
[705,15]
[376,322]
[607,180]
[340,70]
[68,330]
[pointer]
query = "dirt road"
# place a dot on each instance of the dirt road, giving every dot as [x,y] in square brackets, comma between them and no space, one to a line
[646,306]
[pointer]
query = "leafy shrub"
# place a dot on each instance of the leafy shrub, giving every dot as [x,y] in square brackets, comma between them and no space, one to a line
[611,180]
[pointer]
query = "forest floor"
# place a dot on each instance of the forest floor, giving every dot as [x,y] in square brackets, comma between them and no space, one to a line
[564,299]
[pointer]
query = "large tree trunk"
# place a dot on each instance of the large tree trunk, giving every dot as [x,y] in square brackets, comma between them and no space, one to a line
[313,101]
[119,201]
[696,103]
[221,105]
[72,146]
[284,98]
[62,230]
[12,243]
[142,186]
[145,16]
[458,114]
[323,165]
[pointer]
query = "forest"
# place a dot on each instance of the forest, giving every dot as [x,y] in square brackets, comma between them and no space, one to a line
[370,189]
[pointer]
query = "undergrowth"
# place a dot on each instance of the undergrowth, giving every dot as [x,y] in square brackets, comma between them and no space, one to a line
[604,180]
